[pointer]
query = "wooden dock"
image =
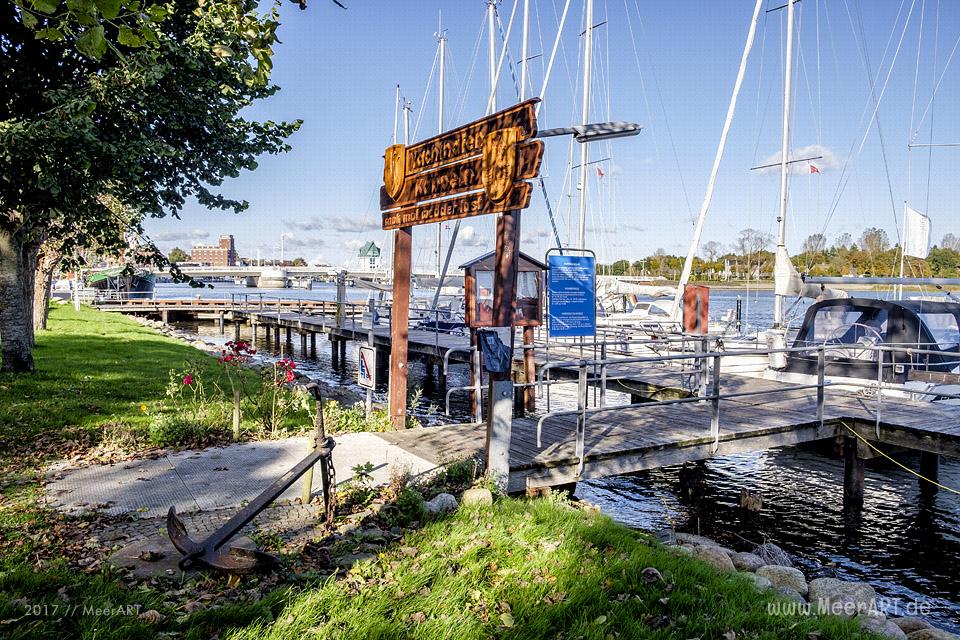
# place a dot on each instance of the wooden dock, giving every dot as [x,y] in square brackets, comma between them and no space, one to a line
[638,437]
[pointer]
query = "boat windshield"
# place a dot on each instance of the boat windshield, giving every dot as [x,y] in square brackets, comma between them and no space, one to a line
[847,326]
[944,329]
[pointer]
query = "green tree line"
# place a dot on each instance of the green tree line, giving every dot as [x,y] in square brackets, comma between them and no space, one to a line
[751,257]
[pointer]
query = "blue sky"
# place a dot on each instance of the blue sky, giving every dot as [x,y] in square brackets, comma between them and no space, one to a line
[669,66]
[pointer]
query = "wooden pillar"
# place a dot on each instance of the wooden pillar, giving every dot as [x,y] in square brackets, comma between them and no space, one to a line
[500,414]
[334,352]
[276,336]
[929,469]
[399,330]
[222,323]
[313,344]
[343,351]
[236,330]
[289,336]
[165,316]
[853,468]
[303,343]
[253,330]
[529,371]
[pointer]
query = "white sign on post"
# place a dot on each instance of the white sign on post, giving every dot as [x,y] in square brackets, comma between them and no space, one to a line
[367,367]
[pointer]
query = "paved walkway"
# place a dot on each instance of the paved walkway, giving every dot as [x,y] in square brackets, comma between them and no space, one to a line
[215,478]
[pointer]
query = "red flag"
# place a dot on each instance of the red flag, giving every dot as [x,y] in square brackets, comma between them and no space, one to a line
[813,169]
[599,172]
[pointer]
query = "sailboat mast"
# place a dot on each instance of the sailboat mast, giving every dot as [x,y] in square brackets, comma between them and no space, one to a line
[779,302]
[523,50]
[492,44]
[712,182]
[587,69]
[442,40]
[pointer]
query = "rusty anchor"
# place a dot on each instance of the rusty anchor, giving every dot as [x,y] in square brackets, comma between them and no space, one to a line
[214,553]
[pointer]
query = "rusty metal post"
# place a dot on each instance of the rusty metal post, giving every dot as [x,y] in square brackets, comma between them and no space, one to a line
[399,326]
[529,370]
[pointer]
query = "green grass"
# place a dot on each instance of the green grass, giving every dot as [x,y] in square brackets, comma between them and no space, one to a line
[519,569]
[533,569]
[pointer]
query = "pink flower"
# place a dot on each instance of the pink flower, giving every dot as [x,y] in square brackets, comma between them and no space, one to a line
[187,380]
[290,376]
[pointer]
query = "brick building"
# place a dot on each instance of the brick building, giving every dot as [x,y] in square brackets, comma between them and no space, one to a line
[222,254]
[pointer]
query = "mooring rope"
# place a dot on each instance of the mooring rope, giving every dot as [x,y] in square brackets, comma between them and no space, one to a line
[902,466]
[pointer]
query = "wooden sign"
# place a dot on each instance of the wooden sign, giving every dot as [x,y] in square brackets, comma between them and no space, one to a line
[487,160]
[467,206]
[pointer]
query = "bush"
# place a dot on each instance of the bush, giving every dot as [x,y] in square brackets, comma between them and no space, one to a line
[338,418]
[409,507]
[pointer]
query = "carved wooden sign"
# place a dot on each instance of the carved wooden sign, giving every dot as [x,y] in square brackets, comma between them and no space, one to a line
[473,170]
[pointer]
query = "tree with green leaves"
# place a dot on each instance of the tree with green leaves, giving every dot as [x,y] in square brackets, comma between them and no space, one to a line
[106,101]
[178,255]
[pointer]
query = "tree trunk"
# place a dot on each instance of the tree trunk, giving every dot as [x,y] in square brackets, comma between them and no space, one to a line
[47,263]
[18,267]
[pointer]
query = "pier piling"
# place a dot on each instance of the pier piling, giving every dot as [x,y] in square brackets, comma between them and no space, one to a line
[853,468]
[930,470]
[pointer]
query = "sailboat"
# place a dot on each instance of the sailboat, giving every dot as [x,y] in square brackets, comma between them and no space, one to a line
[907,348]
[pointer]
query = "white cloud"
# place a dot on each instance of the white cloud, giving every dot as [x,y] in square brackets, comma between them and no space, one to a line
[180,236]
[535,235]
[354,244]
[468,237]
[826,162]
[341,224]
[291,241]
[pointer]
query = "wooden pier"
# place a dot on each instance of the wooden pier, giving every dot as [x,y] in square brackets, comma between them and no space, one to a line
[664,424]
[639,437]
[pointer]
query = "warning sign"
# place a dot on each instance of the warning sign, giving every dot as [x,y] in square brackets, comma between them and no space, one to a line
[367,368]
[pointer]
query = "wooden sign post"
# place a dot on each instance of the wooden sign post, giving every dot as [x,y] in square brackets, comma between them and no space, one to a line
[473,170]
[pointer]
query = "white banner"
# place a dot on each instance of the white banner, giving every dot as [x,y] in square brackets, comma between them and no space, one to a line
[916,240]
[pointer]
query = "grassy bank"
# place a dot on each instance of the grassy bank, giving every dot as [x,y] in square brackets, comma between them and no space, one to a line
[517,569]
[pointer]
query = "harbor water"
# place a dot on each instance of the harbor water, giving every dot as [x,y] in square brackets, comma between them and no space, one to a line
[905,542]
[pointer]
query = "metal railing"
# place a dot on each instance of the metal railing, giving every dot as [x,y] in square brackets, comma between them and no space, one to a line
[709,364]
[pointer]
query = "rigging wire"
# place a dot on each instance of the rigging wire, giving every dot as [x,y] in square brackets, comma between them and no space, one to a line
[426,90]
[666,120]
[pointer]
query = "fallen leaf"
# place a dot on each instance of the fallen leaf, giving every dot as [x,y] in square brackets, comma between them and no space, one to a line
[507,619]
[152,616]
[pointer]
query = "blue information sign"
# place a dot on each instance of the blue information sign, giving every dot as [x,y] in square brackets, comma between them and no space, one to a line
[572,295]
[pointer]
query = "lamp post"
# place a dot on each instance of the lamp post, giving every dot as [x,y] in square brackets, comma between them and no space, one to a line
[583,134]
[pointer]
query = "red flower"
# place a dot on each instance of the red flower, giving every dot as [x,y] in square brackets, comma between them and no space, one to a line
[187,380]
[290,376]
[229,358]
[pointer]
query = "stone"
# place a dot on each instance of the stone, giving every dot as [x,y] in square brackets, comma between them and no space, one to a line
[872,621]
[695,540]
[478,496]
[909,624]
[716,557]
[682,549]
[370,534]
[759,581]
[443,502]
[891,630]
[790,594]
[837,597]
[772,554]
[747,561]
[351,559]
[780,576]
[931,634]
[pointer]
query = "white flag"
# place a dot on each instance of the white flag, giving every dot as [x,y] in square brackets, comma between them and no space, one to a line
[916,241]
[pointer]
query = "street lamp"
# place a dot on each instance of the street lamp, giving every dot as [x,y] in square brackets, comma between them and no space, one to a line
[594,132]
[584,133]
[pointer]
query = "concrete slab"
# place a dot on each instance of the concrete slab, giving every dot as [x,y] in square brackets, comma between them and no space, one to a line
[215,478]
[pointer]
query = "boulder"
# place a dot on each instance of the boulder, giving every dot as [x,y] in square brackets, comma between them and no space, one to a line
[747,561]
[872,621]
[830,595]
[790,594]
[716,557]
[931,634]
[681,549]
[695,540]
[909,624]
[780,576]
[479,496]
[772,554]
[443,502]
[892,631]
[759,581]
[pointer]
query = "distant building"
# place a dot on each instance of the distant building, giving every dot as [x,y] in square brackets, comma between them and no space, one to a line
[369,258]
[222,254]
